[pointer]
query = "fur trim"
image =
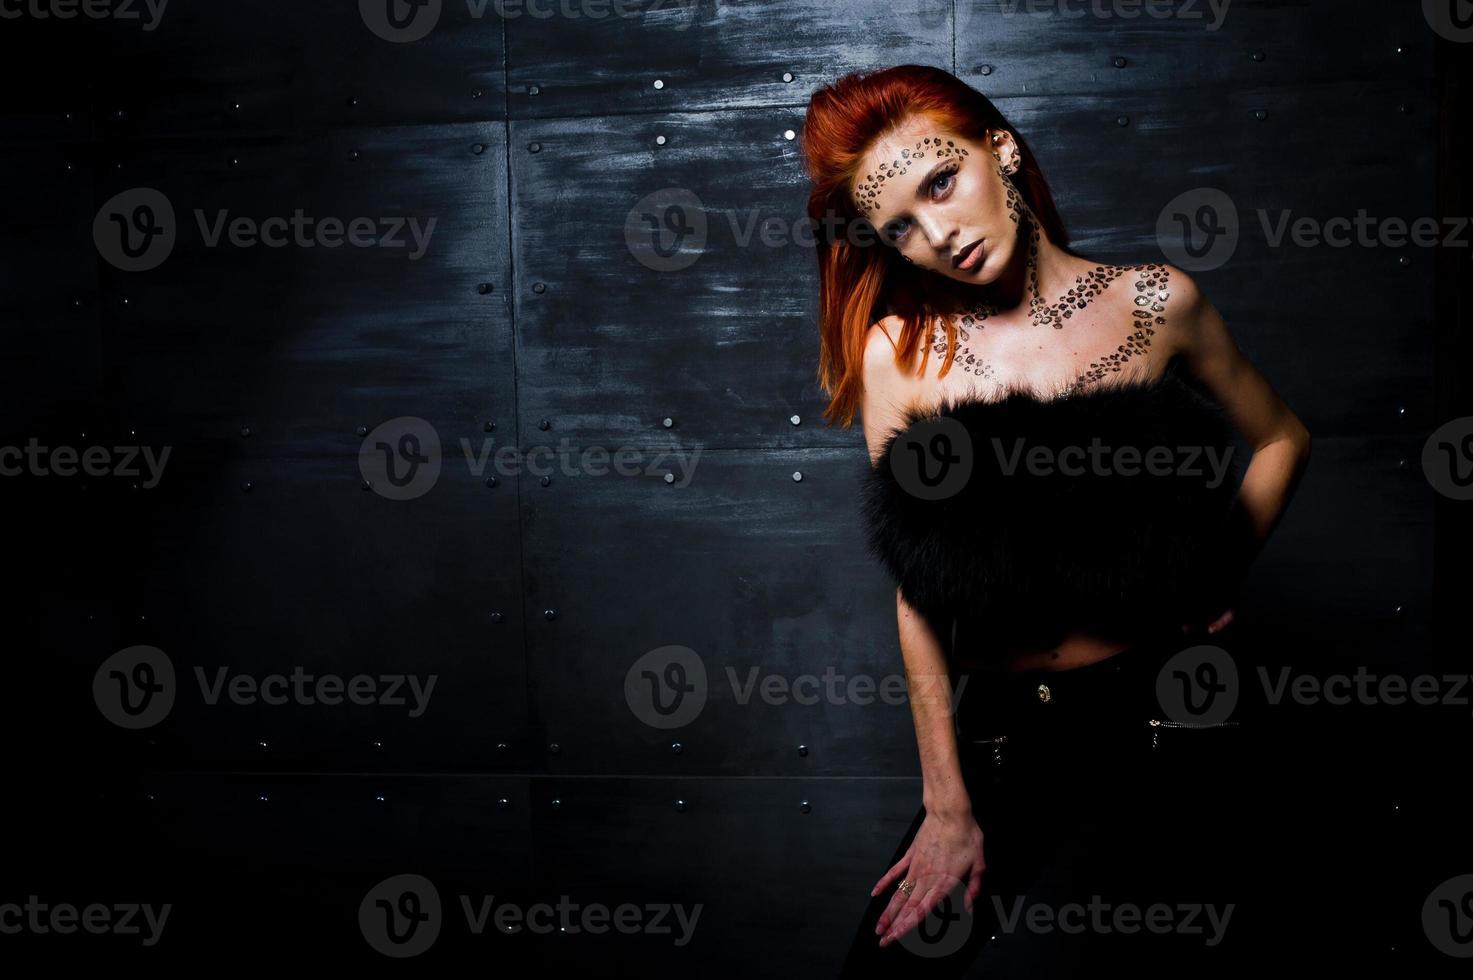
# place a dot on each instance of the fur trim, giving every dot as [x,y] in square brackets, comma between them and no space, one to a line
[1031,551]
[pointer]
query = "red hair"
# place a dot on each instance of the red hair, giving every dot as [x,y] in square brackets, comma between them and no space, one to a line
[861,282]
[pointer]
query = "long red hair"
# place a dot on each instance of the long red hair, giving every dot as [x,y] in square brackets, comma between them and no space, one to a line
[860,281]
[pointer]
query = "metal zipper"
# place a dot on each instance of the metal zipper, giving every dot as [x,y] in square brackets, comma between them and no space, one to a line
[996,743]
[1159,723]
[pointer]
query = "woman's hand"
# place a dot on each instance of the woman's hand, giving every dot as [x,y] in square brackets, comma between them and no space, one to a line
[1216,625]
[947,849]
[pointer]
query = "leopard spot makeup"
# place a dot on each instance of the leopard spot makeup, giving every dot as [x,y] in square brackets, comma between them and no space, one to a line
[866,192]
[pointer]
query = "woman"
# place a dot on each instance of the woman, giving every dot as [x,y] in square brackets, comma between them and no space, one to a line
[1061,604]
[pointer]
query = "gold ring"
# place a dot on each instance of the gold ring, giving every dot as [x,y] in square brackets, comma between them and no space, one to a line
[907,886]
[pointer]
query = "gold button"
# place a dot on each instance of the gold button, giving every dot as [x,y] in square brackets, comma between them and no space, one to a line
[1044,694]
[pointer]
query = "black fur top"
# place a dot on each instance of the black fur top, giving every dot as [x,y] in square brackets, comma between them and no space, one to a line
[1111,509]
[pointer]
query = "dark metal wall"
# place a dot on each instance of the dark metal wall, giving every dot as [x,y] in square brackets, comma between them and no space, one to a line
[530,321]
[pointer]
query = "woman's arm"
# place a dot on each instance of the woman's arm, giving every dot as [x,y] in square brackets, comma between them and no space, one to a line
[928,681]
[1280,441]
[947,849]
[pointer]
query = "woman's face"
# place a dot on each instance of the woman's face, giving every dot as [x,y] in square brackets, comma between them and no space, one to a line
[934,195]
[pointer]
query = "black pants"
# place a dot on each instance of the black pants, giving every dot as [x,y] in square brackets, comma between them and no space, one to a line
[1109,840]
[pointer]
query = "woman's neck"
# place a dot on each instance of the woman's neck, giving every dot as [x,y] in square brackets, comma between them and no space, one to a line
[1035,261]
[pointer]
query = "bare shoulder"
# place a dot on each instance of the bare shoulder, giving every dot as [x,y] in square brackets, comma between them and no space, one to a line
[884,401]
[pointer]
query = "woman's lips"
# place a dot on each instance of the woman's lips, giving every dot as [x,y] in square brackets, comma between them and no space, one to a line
[972,256]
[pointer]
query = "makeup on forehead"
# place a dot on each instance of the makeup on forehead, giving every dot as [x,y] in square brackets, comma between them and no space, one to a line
[925,150]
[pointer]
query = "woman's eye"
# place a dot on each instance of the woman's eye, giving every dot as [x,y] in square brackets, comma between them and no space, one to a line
[894,230]
[942,181]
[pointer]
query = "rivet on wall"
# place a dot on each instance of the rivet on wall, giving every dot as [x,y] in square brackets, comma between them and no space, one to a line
[539,287]
[668,422]
[545,481]
[556,803]
[534,147]
[261,744]
[805,806]
[362,430]
[669,477]
[803,750]
[504,803]
[660,140]
[1119,62]
[492,482]
[246,487]
[479,148]
[549,614]
[787,76]
[245,432]
[1122,120]
[788,134]
[797,476]
[984,69]
[352,101]
[794,419]
[534,90]
[1405,261]
[1260,114]
[379,798]
[365,485]
[677,748]
[496,617]
[484,288]
[680,806]
[554,748]
[476,93]
[1257,56]
[659,83]
[544,424]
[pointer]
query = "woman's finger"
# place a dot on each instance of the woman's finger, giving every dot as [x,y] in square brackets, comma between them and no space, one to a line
[896,871]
